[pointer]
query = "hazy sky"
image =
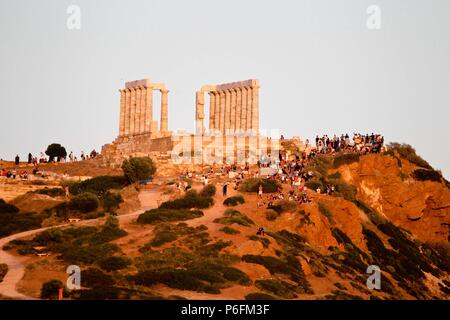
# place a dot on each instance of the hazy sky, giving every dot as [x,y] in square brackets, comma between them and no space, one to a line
[321,69]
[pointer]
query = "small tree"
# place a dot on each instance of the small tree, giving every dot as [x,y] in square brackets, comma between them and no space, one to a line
[111,202]
[140,168]
[55,150]
[50,289]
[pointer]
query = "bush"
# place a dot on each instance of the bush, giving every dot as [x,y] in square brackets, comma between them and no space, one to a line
[271,214]
[163,237]
[345,158]
[3,271]
[115,263]
[409,153]
[190,200]
[347,191]
[55,150]
[111,201]
[93,277]
[259,296]
[137,169]
[98,185]
[7,208]
[84,202]
[11,223]
[252,185]
[234,201]
[229,230]
[277,287]
[323,209]
[426,175]
[314,185]
[50,289]
[208,191]
[154,216]
[52,192]
[232,216]
[284,206]
[265,242]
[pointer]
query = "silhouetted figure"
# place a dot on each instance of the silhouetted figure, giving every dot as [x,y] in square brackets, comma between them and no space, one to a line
[17,160]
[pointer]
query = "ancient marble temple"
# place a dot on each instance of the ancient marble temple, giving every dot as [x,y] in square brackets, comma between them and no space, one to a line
[233,108]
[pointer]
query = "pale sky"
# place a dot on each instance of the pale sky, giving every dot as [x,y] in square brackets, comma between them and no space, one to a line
[321,69]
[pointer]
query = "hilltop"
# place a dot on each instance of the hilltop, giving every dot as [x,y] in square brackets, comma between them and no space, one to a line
[389,209]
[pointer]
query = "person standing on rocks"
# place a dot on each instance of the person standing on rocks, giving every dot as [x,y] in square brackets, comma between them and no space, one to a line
[225,189]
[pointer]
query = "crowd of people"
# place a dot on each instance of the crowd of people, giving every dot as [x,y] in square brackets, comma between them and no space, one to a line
[360,143]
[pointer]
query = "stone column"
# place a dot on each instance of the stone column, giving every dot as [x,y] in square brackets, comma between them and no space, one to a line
[143,105]
[212,107]
[199,112]
[233,111]
[227,109]
[255,108]
[164,110]
[132,111]
[238,109]
[217,112]
[137,116]
[122,113]
[149,109]
[222,112]
[127,111]
[249,108]
[244,109]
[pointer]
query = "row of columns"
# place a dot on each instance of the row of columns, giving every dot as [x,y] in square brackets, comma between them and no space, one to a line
[136,109]
[233,107]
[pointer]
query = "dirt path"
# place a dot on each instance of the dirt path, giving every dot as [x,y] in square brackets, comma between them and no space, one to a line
[16,266]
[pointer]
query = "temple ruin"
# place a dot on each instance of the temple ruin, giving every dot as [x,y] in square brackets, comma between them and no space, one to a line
[136,109]
[233,123]
[233,107]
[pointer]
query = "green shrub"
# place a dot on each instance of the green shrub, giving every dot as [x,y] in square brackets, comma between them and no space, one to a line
[345,158]
[208,191]
[115,263]
[110,231]
[232,216]
[265,242]
[84,202]
[3,270]
[314,185]
[7,208]
[259,296]
[288,266]
[163,237]
[409,153]
[271,214]
[337,176]
[229,230]
[154,216]
[347,191]
[111,201]
[177,279]
[99,293]
[93,277]
[285,206]
[277,287]
[11,223]
[190,200]
[52,192]
[98,185]
[252,185]
[50,289]
[234,201]
[323,209]
[426,175]
[137,169]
